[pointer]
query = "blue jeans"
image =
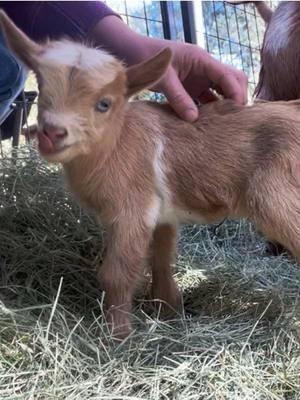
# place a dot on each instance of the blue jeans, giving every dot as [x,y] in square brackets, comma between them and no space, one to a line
[12,78]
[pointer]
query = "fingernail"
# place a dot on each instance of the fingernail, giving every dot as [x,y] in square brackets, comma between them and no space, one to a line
[191,115]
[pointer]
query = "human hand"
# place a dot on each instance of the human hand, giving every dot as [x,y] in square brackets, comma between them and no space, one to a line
[191,75]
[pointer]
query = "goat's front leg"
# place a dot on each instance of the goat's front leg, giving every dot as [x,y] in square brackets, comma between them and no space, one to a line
[121,270]
[162,252]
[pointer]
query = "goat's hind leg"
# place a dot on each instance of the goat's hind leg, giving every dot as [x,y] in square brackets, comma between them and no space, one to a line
[276,212]
[162,251]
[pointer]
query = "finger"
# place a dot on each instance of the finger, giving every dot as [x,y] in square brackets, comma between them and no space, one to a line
[231,83]
[232,88]
[243,79]
[178,98]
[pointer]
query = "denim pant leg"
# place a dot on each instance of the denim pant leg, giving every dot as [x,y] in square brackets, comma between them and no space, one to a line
[12,78]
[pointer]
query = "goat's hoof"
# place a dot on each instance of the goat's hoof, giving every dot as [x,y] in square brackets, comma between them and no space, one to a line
[119,323]
[168,302]
[121,332]
[274,249]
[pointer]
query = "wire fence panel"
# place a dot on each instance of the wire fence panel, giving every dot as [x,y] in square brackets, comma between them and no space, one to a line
[143,16]
[234,34]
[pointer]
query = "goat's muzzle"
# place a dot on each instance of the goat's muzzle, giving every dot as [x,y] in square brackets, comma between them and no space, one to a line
[51,139]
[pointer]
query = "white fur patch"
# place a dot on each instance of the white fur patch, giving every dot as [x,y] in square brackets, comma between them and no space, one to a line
[277,36]
[158,166]
[153,212]
[77,55]
[166,213]
[162,209]
[62,119]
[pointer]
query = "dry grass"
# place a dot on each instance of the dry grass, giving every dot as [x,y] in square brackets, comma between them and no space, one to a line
[239,338]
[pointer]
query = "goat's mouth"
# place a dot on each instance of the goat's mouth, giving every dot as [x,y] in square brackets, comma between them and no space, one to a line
[48,147]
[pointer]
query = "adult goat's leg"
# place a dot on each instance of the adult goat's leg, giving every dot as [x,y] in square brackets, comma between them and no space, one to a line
[276,212]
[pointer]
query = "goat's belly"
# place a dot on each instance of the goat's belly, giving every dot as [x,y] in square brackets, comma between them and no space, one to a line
[175,215]
[165,212]
[180,216]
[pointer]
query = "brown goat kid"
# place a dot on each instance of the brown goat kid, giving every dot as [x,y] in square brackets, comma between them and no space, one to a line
[143,171]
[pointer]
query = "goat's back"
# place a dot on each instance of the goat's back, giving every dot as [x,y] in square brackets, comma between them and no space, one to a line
[208,165]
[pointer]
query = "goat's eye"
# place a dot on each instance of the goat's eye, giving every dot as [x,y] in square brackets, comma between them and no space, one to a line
[103,105]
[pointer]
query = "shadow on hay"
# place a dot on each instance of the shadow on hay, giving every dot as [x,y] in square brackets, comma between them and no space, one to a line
[215,298]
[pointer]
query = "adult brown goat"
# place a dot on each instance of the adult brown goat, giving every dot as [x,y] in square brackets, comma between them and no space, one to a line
[279,77]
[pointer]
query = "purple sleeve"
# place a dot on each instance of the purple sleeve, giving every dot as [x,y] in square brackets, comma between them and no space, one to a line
[54,19]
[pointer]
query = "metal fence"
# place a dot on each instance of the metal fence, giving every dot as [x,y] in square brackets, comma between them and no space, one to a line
[234,35]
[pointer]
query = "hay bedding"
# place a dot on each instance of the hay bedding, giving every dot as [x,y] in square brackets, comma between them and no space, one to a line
[239,338]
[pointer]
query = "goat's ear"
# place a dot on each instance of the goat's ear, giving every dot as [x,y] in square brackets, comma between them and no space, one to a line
[147,73]
[24,48]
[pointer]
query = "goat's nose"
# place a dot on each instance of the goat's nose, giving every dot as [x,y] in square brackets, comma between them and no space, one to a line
[55,133]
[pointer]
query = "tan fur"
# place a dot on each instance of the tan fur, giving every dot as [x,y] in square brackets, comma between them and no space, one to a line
[143,170]
[279,77]
[162,251]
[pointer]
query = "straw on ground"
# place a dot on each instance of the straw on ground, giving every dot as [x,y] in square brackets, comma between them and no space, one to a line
[239,337]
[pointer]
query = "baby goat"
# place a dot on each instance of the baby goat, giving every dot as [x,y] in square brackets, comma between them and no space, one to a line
[143,170]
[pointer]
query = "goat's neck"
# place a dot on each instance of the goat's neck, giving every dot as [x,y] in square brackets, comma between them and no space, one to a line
[89,171]
[102,177]
[118,143]
[98,154]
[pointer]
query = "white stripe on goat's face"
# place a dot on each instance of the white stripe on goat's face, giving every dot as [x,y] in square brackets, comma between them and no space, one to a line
[76,55]
[65,119]
[86,59]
